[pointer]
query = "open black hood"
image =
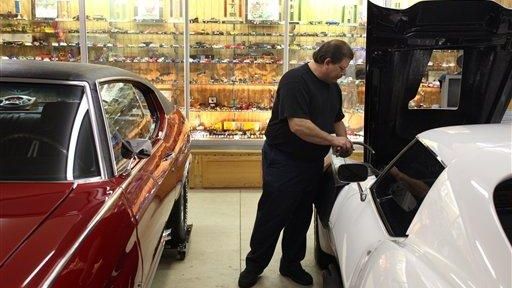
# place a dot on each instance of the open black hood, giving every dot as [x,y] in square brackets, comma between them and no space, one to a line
[399,46]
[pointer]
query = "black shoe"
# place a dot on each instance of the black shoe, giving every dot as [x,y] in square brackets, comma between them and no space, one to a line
[297,274]
[247,279]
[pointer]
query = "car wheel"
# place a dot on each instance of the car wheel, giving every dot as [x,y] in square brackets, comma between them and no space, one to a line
[178,221]
[322,259]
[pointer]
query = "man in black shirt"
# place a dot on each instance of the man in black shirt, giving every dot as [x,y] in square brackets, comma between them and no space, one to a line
[306,112]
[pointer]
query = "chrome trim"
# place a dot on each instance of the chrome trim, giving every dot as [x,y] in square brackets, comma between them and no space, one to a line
[101,81]
[158,254]
[88,180]
[79,181]
[107,131]
[37,269]
[116,78]
[37,80]
[187,166]
[433,153]
[88,93]
[63,261]
[389,165]
[110,201]
[166,235]
[82,109]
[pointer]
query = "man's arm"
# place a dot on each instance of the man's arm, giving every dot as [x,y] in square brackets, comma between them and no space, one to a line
[340,129]
[308,131]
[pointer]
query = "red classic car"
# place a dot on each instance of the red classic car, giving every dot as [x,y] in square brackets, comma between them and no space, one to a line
[93,170]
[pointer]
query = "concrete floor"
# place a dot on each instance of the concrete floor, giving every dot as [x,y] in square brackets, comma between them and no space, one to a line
[223,221]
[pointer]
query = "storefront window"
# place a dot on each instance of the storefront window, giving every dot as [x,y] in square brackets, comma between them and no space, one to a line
[39,30]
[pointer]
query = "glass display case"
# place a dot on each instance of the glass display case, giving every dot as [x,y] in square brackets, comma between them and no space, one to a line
[145,37]
[236,54]
[236,61]
[39,30]
[311,25]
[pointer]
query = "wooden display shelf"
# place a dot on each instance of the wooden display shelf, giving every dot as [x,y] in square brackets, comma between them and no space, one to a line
[230,168]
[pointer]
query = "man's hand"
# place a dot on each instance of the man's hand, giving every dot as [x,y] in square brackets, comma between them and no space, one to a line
[342,146]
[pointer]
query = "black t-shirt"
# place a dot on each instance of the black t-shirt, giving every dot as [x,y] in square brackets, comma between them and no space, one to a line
[301,94]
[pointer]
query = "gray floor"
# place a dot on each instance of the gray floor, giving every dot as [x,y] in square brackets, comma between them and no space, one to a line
[223,220]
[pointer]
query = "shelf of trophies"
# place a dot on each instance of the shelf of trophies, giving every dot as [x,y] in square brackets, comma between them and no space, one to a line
[45,40]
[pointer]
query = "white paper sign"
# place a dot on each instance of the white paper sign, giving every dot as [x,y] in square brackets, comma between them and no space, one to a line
[46,9]
[258,10]
[148,9]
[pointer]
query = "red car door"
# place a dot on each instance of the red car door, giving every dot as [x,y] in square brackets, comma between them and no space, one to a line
[132,112]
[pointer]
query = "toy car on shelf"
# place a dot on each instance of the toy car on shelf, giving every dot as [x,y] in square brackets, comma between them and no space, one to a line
[332,22]
[211,20]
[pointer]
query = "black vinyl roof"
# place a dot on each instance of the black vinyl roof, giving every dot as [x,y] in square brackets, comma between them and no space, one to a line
[61,71]
[67,71]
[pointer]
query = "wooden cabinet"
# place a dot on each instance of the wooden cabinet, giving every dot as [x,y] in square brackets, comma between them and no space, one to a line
[225,169]
[229,168]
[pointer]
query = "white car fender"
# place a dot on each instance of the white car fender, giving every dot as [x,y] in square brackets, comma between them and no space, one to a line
[357,225]
[393,264]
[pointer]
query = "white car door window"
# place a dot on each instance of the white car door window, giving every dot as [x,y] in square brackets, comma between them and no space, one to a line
[400,191]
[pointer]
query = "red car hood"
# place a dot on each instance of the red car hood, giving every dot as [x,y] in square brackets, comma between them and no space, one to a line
[23,207]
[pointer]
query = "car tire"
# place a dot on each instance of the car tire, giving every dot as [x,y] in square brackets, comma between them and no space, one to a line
[178,220]
[322,259]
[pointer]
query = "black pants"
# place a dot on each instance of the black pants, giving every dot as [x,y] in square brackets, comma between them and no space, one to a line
[289,187]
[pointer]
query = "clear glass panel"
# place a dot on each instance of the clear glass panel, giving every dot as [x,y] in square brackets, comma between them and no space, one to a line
[127,114]
[311,25]
[37,122]
[142,36]
[86,160]
[401,190]
[441,83]
[39,30]
[236,51]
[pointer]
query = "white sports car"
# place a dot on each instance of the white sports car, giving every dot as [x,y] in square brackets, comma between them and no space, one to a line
[439,214]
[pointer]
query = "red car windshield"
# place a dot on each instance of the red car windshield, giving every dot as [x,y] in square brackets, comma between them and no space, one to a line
[37,122]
